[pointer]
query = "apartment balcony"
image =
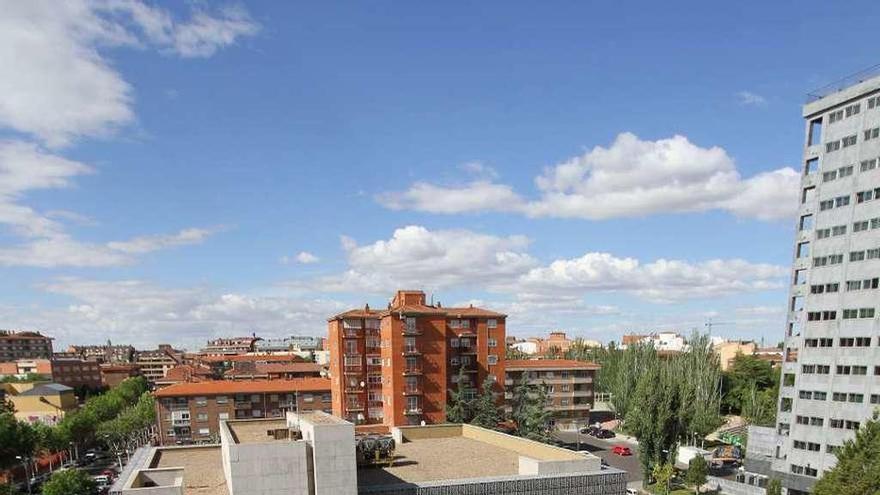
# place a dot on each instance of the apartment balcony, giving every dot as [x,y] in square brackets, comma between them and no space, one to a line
[560,380]
[412,391]
[244,404]
[412,371]
[411,351]
[352,369]
[467,332]
[572,393]
[412,412]
[178,407]
[350,333]
[411,331]
[467,350]
[354,390]
[177,423]
[354,407]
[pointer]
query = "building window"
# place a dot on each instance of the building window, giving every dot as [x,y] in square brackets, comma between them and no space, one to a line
[492,359]
[223,416]
[202,417]
[492,342]
[492,323]
[222,399]
[204,431]
[201,401]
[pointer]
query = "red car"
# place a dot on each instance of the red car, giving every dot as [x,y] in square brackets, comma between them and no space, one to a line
[621,450]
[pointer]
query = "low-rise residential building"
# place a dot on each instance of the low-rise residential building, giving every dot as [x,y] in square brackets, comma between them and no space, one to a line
[728,350]
[289,344]
[156,363]
[24,345]
[273,371]
[114,374]
[107,353]
[75,372]
[183,373]
[668,342]
[44,402]
[230,346]
[569,385]
[192,412]
[23,367]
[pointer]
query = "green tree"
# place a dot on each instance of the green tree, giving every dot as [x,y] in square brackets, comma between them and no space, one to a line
[662,474]
[529,411]
[774,487]
[699,381]
[698,470]
[458,408]
[17,438]
[655,416]
[69,482]
[6,489]
[858,464]
[628,369]
[745,374]
[485,409]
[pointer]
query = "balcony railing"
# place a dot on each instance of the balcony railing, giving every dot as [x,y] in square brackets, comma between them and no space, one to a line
[412,391]
[241,404]
[413,411]
[350,333]
[352,368]
[570,407]
[412,371]
[354,407]
[411,331]
[353,390]
[180,422]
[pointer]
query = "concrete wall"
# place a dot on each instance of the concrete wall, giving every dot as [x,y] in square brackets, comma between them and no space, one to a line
[608,482]
[729,487]
[333,464]
[264,468]
[169,481]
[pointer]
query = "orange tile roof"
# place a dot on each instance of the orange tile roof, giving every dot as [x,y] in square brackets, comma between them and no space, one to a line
[289,368]
[511,364]
[217,387]
[239,358]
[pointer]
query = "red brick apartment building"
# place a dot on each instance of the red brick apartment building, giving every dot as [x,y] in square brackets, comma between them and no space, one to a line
[569,386]
[395,366]
[24,345]
[191,412]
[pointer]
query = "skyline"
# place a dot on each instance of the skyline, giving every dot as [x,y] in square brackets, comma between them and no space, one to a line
[176,173]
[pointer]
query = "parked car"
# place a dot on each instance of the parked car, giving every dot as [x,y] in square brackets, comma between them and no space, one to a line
[621,450]
[603,433]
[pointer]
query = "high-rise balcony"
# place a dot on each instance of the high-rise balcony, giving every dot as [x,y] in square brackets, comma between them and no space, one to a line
[412,411]
[352,369]
[414,390]
[412,370]
[411,350]
[350,333]
[411,331]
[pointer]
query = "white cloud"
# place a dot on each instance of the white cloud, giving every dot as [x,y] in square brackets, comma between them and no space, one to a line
[415,256]
[144,314]
[56,84]
[630,178]
[479,169]
[305,257]
[475,196]
[25,167]
[749,98]
[661,280]
[150,243]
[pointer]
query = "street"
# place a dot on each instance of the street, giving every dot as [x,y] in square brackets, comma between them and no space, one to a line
[602,448]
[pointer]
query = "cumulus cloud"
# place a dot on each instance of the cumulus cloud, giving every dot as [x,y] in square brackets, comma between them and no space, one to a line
[57,86]
[26,167]
[630,178]
[144,314]
[660,280]
[415,255]
[749,98]
[303,257]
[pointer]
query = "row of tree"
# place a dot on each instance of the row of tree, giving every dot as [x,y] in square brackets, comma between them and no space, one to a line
[528,415]
[120,411]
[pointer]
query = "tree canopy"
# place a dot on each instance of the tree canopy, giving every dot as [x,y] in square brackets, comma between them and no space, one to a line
[69,482]
[858,465]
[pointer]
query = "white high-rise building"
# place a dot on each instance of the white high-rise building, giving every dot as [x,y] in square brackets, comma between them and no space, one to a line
[831,369]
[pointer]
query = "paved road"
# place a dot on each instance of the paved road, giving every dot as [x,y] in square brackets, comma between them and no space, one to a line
[602,448]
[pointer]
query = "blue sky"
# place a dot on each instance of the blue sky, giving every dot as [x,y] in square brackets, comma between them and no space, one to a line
[178,171]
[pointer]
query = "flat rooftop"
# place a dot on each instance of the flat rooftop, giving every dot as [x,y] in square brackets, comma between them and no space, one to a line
[203,468]
[256,431]
[433,459]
